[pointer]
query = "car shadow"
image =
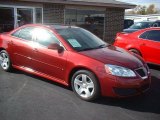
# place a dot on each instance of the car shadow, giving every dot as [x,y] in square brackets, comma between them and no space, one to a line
[15,71]
[147,102]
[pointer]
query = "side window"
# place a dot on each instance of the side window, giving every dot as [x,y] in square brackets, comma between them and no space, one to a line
[144,35]
[24,33]
[16,34]
[44,37]
[154,35]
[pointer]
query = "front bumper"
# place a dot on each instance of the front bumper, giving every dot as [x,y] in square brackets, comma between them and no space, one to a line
[124,87]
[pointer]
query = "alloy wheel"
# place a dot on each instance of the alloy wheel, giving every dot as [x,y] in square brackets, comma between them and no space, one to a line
[4,61]
[84,85]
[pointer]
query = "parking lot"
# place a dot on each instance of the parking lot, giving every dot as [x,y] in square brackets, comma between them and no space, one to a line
[27,97]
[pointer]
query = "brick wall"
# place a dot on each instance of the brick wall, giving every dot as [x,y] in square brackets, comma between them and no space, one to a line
[114,19]
[114,22]
[53,13]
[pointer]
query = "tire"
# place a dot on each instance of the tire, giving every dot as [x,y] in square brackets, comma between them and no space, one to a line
[85,85]
[5,61]
[136,52]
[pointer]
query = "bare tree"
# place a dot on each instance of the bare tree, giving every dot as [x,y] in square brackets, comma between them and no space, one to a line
[143,10]
[151,9]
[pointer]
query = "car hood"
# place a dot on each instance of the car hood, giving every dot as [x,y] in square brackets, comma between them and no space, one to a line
[130,30]
[114,55]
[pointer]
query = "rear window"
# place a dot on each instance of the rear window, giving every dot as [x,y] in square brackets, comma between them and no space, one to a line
[141,25]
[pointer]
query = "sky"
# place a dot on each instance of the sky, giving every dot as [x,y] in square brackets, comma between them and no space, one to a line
[143,2]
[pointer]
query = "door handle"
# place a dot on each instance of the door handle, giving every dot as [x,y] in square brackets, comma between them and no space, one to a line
[11,42]
[35,50]
[143,44]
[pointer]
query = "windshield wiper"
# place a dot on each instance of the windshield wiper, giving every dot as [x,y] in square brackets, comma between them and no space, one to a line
[103,46]
[87,49]
[100,46]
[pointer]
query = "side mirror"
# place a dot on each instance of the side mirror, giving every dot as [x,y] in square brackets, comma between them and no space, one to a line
[56,46]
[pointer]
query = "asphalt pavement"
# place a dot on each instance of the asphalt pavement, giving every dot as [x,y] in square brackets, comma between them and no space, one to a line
[28,97]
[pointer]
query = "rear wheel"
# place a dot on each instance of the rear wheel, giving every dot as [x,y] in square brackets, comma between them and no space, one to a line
[135,51]
[85,85]
[5,61]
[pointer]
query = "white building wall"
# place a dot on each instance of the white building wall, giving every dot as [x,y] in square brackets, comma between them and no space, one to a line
[139,18]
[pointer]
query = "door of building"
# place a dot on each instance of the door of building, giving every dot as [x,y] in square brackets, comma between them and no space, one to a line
[15,16]
[6,19]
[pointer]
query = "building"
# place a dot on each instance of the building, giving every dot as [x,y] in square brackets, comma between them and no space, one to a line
[102,17]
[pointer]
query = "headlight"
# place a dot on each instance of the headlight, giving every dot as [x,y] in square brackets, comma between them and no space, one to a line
[119,71]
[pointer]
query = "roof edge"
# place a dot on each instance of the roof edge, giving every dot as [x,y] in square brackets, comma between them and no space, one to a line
[124,6]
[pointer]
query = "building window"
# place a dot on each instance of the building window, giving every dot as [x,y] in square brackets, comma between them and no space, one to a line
[38,15]
[91,20]
[24,16]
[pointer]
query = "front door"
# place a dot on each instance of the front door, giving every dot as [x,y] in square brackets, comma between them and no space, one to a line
[48,61]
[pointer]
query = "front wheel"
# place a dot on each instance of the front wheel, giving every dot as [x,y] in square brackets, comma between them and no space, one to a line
[5,61]
[85,85]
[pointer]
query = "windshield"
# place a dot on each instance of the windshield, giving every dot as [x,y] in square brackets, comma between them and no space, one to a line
[140,25]
[81,39]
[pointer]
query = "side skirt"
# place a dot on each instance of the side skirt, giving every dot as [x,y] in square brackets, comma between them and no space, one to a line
[31,71]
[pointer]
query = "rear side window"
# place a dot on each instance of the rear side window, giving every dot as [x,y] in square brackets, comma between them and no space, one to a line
[154,35]
[24,33]
[144,35]
[151,35]
[16,34]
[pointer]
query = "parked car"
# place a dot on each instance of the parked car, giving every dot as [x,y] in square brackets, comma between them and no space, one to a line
[142,25]
[145,42]
[74,57]
[128,23]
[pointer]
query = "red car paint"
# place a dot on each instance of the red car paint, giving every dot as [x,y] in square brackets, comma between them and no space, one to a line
[149,49]
[59,67]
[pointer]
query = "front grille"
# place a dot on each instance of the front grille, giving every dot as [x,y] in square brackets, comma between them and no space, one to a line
[125,91]
[142,72]
[144,87]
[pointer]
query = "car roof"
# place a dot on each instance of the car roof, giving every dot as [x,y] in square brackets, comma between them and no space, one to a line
[152,28]
[62,26]
[52,26]
[143,30]
[148,21]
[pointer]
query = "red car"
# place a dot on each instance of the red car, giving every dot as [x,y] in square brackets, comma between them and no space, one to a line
[74,57]
[145,43]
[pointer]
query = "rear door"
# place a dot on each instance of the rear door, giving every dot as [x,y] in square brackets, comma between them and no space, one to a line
[150,46]
[22,45]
